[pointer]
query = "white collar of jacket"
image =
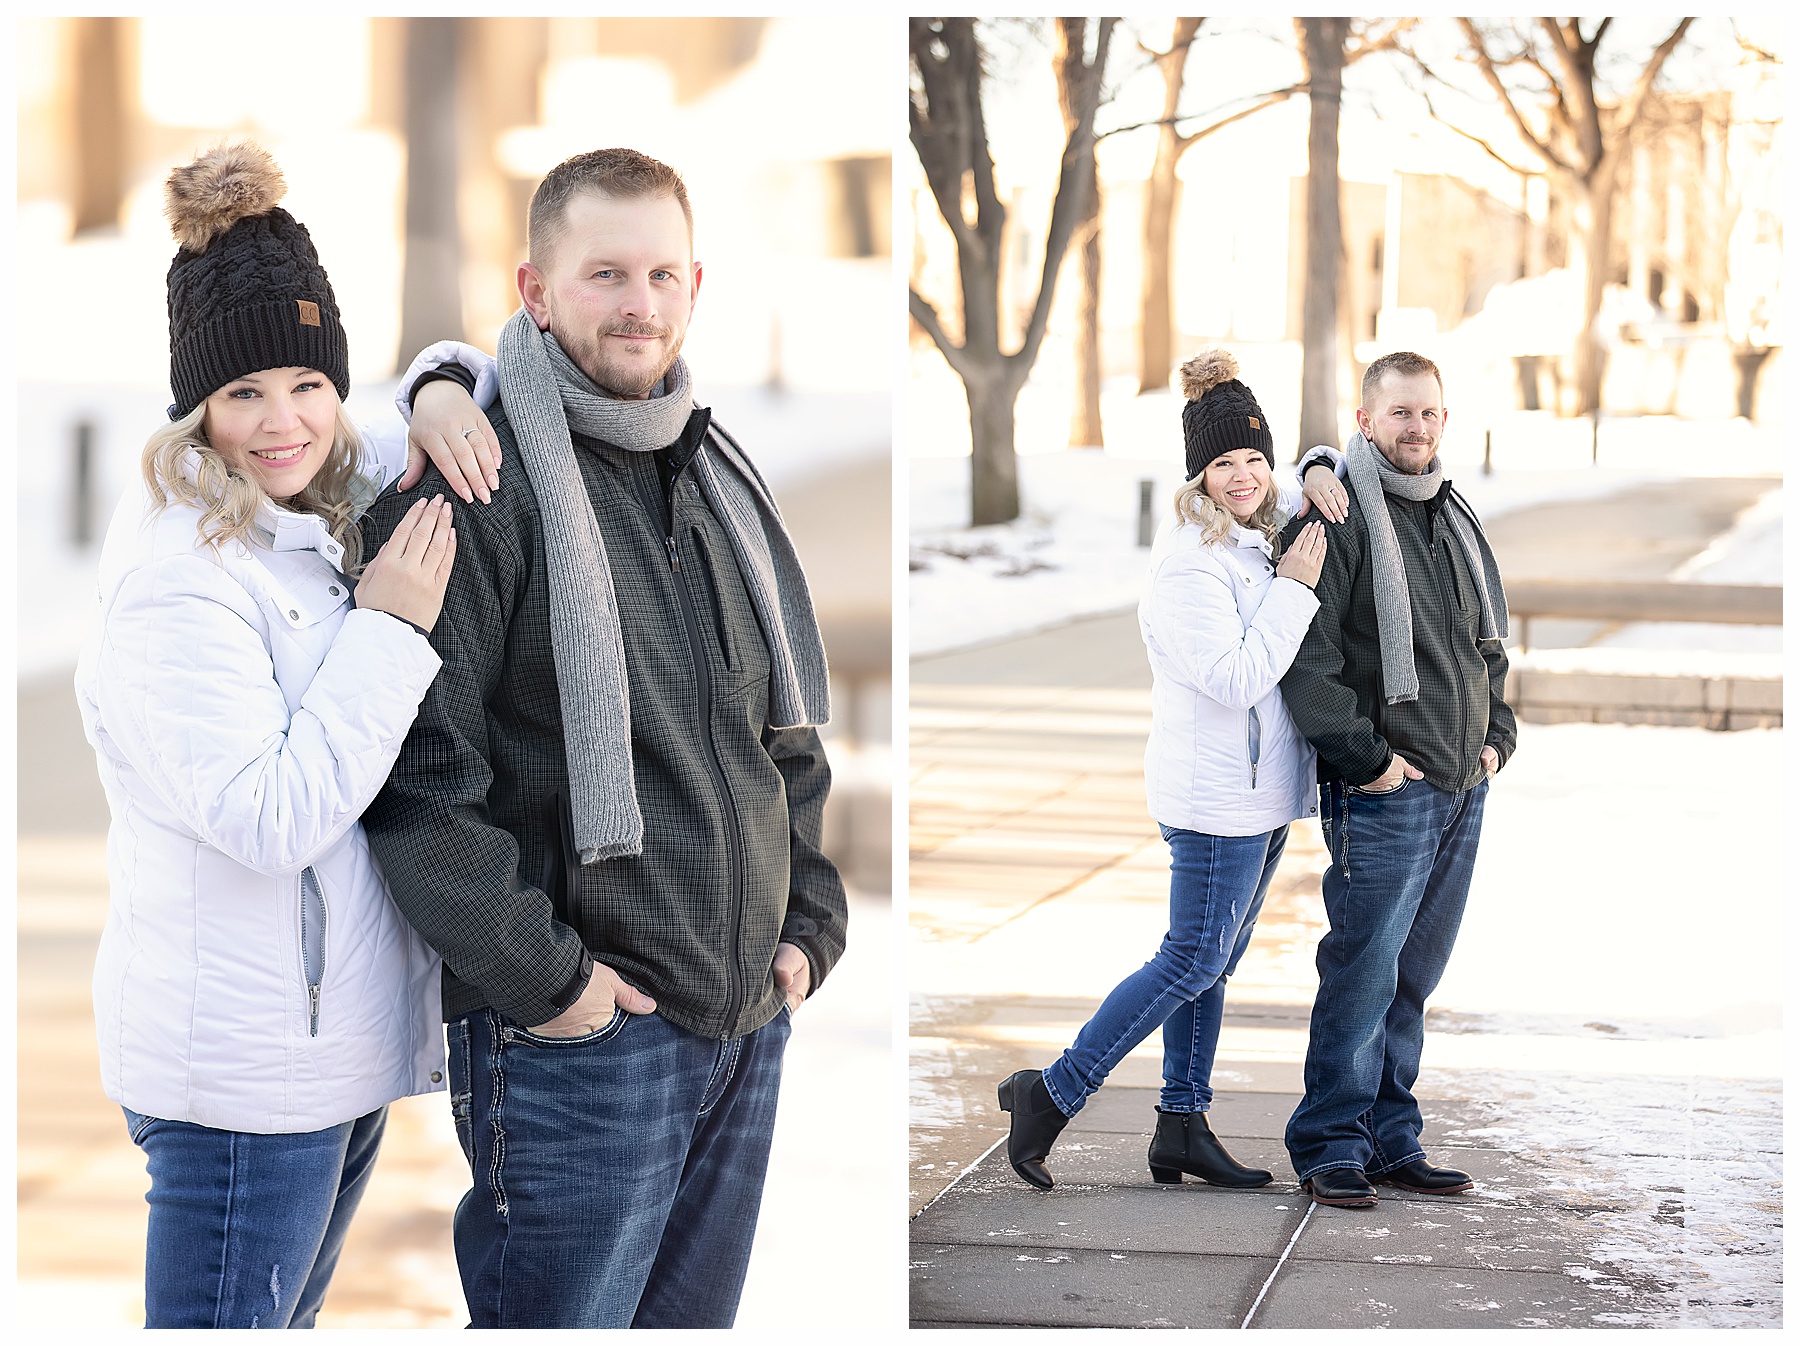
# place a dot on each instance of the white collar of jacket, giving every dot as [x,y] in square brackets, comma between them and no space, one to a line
[281,529]
[1250,537]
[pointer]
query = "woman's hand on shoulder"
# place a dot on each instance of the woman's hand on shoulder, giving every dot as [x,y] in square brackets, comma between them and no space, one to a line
[453,432]
[1305,556]
[408,576]
[1322,490]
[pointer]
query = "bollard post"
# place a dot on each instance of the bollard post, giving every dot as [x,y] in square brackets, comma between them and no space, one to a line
[1146,532]
[1487,454]
[81,503]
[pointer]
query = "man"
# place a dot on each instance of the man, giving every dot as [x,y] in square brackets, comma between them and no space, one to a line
[607,814]
[1400,686]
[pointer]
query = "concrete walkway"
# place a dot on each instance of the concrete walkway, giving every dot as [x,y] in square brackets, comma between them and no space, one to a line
[1037,881]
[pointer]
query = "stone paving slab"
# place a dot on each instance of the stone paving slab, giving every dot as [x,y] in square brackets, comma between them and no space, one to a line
[1081,1288]
[1338,1294]
[1450,1232]
[1140,1216]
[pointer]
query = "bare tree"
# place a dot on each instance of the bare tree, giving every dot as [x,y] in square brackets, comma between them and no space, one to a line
[1327,47]
[1075,73]
[950,136]
[1543,75]
[1156,307]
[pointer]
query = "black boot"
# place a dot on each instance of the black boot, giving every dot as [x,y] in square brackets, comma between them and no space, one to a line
[1036,1123]
[1184,1143]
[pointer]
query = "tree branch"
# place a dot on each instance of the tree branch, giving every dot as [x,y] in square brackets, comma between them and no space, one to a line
[1469,135]
[1634,102]
[1264,100]
[927,317]
[1073,187]
[1498,85]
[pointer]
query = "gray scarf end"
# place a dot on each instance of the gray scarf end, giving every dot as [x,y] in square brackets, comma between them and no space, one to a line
[616,850]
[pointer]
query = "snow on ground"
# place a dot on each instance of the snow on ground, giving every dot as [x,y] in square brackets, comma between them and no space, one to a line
[1073,552]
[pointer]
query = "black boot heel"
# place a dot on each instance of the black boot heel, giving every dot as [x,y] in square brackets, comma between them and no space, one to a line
[1184,1143]
[1166,1175]
[1036,1123]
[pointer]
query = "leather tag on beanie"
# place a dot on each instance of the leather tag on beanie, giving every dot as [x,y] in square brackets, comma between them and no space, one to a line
[1254,423]
[309,313]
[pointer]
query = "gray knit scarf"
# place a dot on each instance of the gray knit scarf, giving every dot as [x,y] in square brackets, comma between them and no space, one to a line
[1371,475]
[546,395]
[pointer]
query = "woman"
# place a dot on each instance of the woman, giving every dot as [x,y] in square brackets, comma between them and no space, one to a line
[258,998]
[1225,769]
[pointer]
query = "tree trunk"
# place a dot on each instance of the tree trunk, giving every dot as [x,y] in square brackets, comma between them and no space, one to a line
[431,286]
[993,466]
[1073,74]
[1156,304]
[1156,309]
[1085,431]
[1322,44]
[100,123]
[1593,232]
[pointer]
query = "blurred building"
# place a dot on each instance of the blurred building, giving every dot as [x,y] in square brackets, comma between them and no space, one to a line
[411,148]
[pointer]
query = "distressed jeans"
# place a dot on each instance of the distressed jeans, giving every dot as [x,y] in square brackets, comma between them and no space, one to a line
[1216,889]
[245,1229]
[1394,895]
[617,1176]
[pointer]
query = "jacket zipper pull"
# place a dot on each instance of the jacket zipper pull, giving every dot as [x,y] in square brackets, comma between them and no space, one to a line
[312,996]
[674,560]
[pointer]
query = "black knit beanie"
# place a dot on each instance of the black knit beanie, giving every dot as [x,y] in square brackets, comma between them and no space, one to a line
[246,291]
[1221,414]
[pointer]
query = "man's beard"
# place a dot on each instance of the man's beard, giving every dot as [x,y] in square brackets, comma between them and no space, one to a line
[1391,452]
[620,378]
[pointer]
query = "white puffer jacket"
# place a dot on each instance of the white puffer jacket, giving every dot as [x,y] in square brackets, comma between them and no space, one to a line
[253,974]
[1221,628]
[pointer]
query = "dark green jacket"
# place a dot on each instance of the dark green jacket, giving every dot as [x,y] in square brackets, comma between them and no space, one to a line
[1334,689]
[473,831]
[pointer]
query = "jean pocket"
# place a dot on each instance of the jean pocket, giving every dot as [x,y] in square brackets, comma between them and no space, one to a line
[610,1029]
[462,1086]
[1379,794]
[137,1125]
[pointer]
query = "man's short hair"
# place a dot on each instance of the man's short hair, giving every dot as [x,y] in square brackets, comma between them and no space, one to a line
[1404,363]
[615,172]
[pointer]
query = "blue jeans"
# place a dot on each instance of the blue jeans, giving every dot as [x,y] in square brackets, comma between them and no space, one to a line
[617,1176]
[1394,894]
[1216,889]
[245,1229]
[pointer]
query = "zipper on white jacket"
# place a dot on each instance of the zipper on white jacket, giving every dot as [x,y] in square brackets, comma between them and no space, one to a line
[1253,735]
[312,941]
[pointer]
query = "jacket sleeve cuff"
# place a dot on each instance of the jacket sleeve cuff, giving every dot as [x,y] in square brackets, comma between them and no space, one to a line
[454,373]
[800,931]
[440,354]
[1321,455]
[572,989]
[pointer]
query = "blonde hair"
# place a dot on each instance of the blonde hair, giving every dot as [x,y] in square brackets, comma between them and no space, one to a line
[228,499]
[1193,505]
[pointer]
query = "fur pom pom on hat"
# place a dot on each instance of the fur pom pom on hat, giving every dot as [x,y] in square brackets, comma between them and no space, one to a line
[246,291]
[1221,414]
[205,198]
[1206,371]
